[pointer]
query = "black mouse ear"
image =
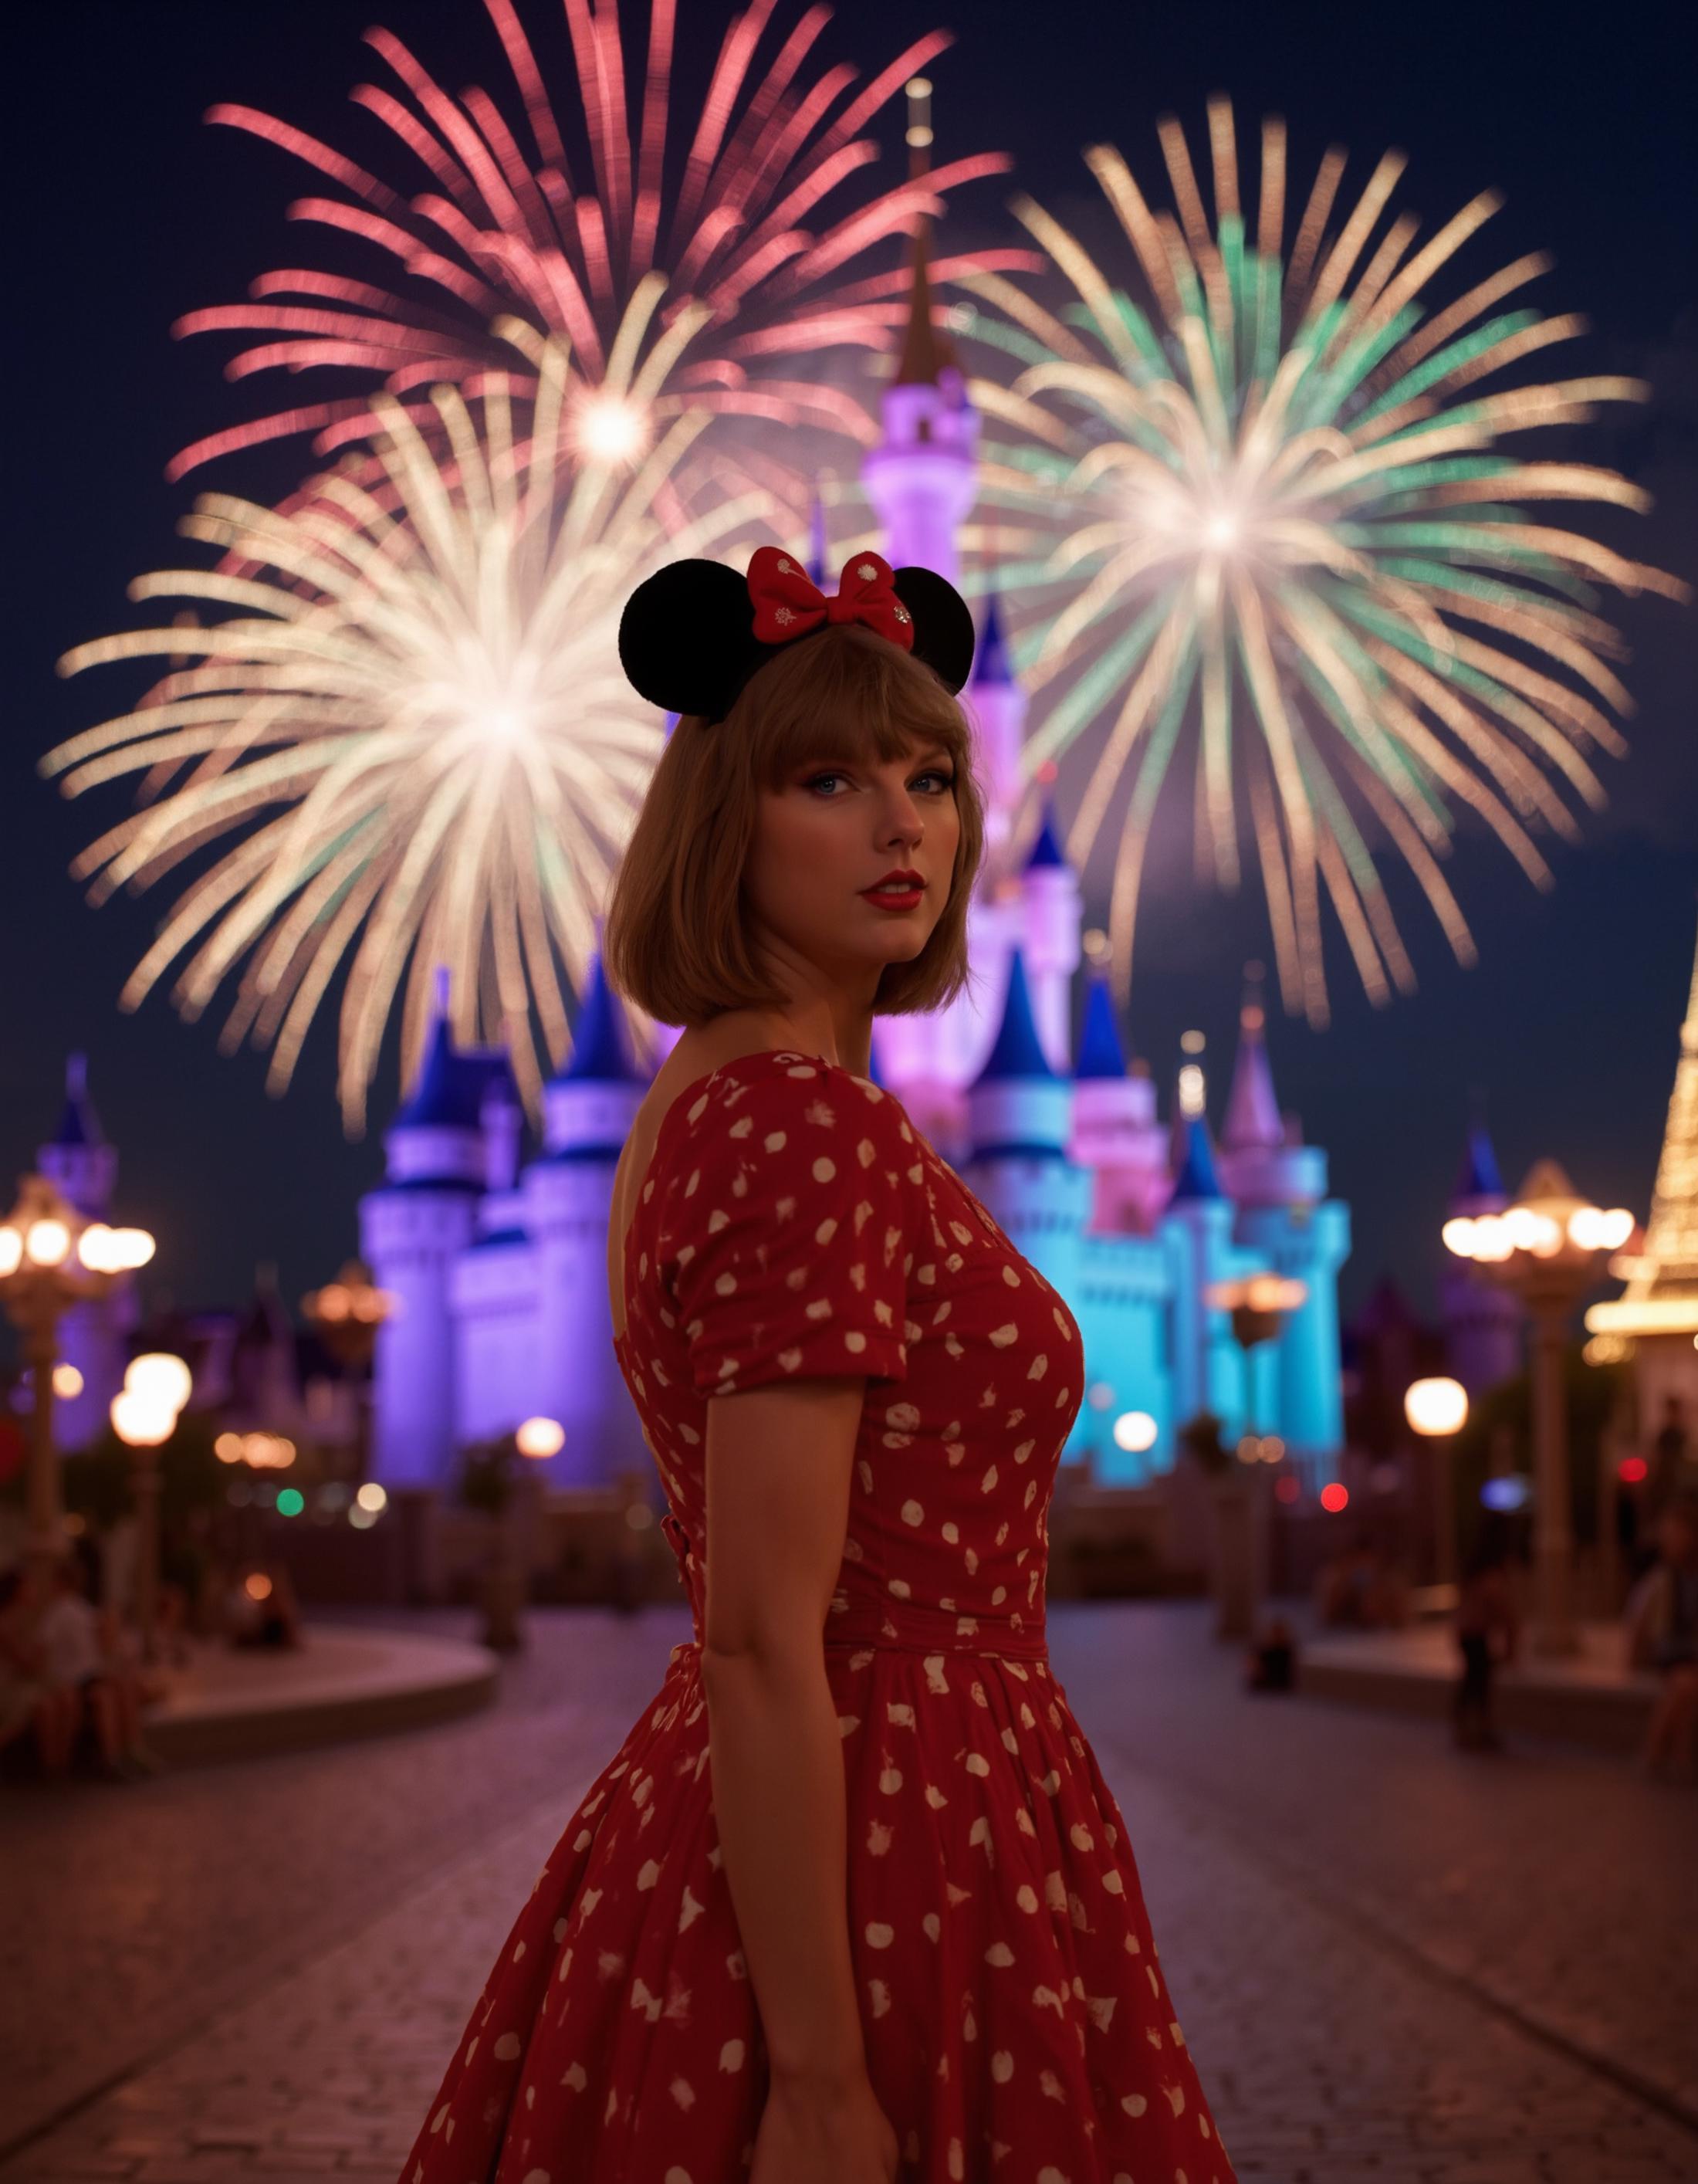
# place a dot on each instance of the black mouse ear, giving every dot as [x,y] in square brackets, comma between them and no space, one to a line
[942,625]
[687,638]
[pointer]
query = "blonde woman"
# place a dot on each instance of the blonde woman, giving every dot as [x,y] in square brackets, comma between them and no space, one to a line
[853,1902]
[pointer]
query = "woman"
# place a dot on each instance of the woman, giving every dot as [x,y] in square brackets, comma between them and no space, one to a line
[853,1902]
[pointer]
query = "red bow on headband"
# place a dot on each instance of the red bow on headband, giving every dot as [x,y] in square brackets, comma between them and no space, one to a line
[787,603]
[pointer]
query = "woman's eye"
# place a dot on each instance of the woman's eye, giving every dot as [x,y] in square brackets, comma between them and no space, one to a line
[932,773]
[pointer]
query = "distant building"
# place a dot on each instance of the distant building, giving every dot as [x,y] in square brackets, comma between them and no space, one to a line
[500,1266]
[94,1336]
[1655,1317]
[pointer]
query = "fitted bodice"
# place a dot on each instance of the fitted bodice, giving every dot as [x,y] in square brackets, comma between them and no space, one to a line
[792,1221]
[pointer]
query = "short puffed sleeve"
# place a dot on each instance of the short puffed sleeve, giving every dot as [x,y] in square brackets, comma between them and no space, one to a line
[786,1248]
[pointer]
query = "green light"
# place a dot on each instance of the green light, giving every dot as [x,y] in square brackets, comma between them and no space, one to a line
[291,1502]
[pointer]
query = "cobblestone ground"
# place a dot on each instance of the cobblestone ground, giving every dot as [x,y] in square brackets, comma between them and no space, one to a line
[1329,1888]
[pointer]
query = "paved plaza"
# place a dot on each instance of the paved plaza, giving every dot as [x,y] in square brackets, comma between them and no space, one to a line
[1392,1964]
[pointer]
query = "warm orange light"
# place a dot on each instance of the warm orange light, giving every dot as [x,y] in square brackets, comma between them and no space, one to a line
[541,1437]
[94,1248]
[159,1378]
[267,1452]
[1436,1407]
[46,1242]
[1135,1431]
[140,1420]
[126,1248]
[257,1585]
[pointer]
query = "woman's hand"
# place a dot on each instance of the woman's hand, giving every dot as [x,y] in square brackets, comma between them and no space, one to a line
[824,2135]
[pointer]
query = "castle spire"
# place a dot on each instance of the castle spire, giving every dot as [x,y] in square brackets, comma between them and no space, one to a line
[1478,1187]
[922,478]
[926,350]
[1253,1117]
[78,1125]
[1661,1293]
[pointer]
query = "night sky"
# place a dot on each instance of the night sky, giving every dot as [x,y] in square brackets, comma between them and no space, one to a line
[126,211]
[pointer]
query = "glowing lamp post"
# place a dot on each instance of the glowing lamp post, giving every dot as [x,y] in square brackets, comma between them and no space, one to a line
[144,1416]
[345,1315]
[1437,1410]
[1549,1247]
[1256,1305]
[51,1257]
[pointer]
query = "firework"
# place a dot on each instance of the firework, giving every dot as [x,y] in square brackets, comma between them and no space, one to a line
[712,299]
[413,722]
[1289,504]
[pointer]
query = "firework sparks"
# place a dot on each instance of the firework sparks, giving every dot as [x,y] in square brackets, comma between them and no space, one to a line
[1289,504]
[414,722]
[709,300]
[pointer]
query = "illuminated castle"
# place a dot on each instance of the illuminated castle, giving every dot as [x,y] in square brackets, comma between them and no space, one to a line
[500,1266]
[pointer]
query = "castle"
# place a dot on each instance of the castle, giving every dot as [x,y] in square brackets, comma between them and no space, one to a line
[498,1265]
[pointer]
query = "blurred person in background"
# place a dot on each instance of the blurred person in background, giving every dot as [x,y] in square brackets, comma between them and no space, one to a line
[1273,1663]
[79,1655]
[29,1701]
[1663,1634]
[1673,1471]
[1487,1635]
[260,1608]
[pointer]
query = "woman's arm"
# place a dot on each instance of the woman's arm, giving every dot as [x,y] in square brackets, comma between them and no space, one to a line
[778,1467]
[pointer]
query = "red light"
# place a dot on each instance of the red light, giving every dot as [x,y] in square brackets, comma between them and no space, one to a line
[1335,1497]
[1632,1468]
[1287,1489]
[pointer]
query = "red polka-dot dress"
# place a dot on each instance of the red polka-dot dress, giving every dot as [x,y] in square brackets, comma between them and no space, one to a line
[1017,2025]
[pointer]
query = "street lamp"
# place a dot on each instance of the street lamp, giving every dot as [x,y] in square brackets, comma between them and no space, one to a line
[144,1416]
[51,1256]
[1256,1305]
[1437,1410]
[1549,1248]
[345,1315]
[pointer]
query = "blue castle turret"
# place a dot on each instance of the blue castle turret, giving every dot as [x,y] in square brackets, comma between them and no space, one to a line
[589,1109]
[413,1228]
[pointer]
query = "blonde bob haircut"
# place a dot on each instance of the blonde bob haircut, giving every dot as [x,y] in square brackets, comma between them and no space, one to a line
[676,940]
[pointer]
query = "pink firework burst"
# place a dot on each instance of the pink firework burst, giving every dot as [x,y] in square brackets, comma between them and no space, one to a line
[711,284]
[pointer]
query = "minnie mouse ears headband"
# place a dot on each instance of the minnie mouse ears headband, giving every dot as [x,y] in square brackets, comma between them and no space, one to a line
[695,632]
